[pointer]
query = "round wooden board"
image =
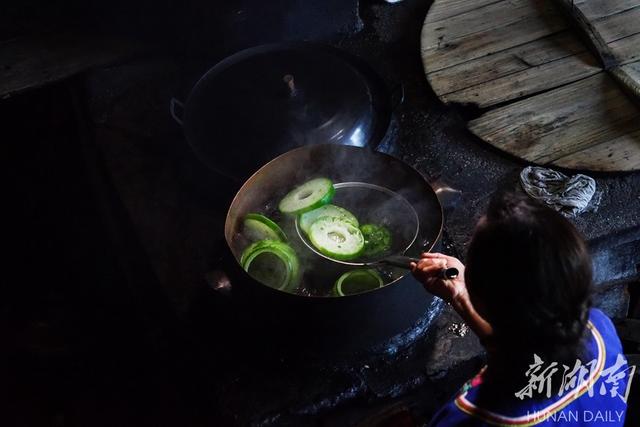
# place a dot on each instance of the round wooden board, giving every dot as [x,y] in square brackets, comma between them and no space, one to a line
[543,96]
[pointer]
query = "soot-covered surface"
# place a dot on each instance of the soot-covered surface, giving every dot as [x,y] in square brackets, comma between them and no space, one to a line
[177,209]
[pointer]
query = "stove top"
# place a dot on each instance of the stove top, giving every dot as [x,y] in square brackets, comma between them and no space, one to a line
[260,382]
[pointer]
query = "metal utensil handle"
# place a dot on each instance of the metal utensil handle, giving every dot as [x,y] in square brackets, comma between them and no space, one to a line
[404,261]
[449,273]
[400,261]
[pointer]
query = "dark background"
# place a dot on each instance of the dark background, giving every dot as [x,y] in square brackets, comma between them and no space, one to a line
[188,26]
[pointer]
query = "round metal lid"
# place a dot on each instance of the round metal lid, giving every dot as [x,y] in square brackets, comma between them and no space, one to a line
[264,101]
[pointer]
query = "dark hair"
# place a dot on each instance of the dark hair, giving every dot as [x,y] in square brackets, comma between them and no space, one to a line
[530,271]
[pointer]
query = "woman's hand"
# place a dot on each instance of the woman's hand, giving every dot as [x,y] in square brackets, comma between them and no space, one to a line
[453,291]
[427,271]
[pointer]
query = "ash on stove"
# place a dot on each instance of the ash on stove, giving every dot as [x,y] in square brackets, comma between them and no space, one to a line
[264,384]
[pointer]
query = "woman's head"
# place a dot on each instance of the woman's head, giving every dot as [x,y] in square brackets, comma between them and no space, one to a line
[529,273]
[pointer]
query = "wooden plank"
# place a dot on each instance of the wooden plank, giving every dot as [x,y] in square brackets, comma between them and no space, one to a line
[449,8]
[628,77]
[527,82]
[587,32]
[558,123]
[627,50]
[487,42]
[599,9]
[33,62]
[633,70]
[619,26]
[504,63]
[618,154]
[593,9]
[484,18]
[574,115]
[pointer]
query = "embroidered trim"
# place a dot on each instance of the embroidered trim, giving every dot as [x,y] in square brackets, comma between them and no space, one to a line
[540,416]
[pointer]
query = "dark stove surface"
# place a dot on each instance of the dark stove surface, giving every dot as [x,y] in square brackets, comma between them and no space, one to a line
[257,382]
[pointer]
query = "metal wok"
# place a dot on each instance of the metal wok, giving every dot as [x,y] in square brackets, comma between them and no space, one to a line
[344,324]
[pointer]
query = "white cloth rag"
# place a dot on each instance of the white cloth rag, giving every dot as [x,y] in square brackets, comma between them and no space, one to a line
[569,195]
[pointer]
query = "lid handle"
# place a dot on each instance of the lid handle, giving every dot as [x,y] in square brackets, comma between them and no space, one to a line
[291,85]
[173,111]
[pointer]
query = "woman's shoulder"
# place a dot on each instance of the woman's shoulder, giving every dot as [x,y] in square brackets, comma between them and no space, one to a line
[586,388]
[602,322]
[602,328]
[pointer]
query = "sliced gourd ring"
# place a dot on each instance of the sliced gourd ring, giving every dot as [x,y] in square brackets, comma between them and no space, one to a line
[357,281]
[273,263]
[306,219]
[258,227]
[308,196]
[336,238]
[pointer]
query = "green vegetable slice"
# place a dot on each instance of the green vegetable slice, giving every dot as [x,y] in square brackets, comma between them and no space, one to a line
[377,240]
[273,263]
[357,281]
[336,238]
[259,227]
[306,219]
[308,196]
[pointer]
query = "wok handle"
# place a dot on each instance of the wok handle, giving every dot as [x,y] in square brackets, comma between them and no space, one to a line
[172,110]
[448,197]
[218,280]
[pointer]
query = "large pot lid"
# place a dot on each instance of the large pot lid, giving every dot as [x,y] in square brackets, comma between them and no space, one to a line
[264,101]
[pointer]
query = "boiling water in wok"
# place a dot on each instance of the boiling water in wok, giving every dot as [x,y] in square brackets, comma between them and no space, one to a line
[318,273]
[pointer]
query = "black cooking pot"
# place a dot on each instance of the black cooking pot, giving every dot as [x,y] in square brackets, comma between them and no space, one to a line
[267,100]
[333,324]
